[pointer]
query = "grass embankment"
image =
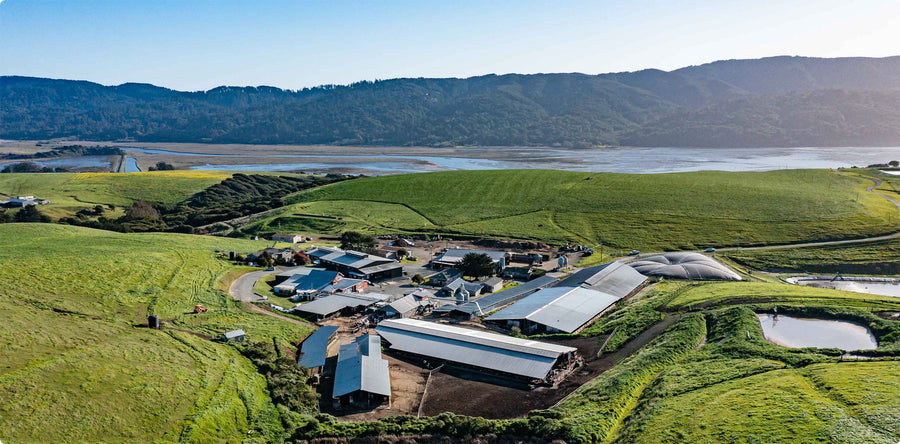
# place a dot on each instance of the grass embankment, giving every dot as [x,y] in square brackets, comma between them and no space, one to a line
[70,192]
[740,388]
[696,296]
[77,365]
[658,211]
[871,258]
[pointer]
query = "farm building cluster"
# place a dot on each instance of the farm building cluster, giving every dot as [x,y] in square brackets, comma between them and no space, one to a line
[22,202]
[454,321]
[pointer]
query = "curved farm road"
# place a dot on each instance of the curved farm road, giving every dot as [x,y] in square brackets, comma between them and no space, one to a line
[242,290]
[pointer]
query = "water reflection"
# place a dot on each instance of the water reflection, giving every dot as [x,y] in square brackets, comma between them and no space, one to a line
[820,333]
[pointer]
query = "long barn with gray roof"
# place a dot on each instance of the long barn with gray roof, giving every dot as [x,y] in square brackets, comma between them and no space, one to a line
[496,353]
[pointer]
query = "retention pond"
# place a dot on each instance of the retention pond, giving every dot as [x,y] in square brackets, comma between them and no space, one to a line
[793,332]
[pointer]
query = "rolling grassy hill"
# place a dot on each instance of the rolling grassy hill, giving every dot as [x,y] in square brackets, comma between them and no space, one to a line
[70,192]
[77,364]
[659,211]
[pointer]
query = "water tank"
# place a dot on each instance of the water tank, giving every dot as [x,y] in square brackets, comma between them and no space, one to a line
[153,321]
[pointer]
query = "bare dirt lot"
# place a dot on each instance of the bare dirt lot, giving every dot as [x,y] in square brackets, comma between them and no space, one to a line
[466,393]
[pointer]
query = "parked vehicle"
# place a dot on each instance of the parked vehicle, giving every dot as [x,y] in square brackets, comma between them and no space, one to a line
[634,253]
[710,250]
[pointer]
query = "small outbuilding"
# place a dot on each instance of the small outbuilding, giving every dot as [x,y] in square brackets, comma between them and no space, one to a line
[233,336]
[444,277]
[492,284]
[290,238]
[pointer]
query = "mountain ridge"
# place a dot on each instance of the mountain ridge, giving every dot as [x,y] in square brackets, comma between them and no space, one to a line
[776,101]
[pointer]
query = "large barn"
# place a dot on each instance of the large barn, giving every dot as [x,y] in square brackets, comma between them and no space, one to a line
[338,303]
[554,310]
[495,353]
[355,264]
[571,304]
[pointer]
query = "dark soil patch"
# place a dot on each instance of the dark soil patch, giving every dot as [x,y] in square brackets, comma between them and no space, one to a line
[470,393]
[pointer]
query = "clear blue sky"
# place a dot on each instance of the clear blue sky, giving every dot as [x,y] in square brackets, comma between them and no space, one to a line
[199,44]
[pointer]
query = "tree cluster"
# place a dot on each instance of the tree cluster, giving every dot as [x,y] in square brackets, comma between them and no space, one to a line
[354,240]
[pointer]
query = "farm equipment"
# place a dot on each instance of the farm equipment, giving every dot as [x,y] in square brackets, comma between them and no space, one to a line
[200,309]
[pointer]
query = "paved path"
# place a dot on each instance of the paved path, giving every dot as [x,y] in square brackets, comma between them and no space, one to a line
[242,287]
[242,290]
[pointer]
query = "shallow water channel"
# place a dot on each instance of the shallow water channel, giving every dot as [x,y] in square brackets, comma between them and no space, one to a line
[793,332]
[879,286]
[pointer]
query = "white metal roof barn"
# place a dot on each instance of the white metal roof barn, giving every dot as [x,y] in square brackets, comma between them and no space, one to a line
[492,351]
[685,266]
[565,309]
[613,278]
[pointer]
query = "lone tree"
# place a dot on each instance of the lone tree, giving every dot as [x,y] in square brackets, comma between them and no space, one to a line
[402,253]
[354,240]
[477,265]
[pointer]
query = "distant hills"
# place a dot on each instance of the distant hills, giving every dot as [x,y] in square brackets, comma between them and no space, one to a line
[777,101]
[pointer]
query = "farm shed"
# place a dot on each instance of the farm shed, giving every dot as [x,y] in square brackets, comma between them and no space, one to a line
[492,284]
[685,266]
[362,376]
[491,302]
[453,256]
[314,349]
[356,264]
[338,303]
[233,336]
[309,283]
[293,272]
[23,201]
[405,307]
[454,286]
[554,310]
[290,238]
[614,278]
[495,353]
[444,277]
[285,254]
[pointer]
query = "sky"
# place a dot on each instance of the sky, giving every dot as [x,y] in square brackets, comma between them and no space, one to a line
[201,44]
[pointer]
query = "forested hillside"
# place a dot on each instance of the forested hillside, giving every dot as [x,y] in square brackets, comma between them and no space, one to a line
[779,101]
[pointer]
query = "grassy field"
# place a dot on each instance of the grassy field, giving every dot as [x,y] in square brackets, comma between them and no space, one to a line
[659,211]
[78,365]
[334,217]
[875,258]
[70,192]
[772,406]
[724,293]
[740,388]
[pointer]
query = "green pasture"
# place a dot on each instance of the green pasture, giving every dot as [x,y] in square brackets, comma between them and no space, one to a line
[78,359]
[658,211]
[870,258]
[70,192]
